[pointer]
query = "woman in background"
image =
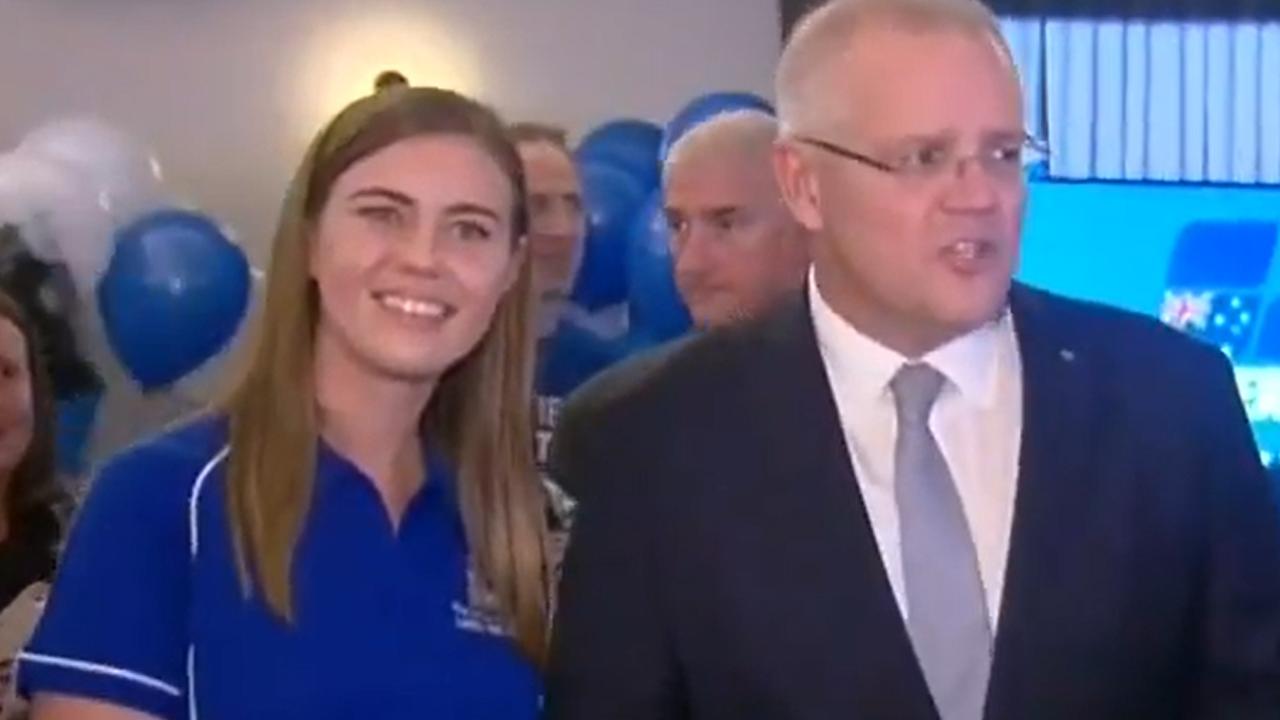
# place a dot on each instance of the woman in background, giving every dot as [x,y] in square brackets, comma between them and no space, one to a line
[359,532]
[29,492]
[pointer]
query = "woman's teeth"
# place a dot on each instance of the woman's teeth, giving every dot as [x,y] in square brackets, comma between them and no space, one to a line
[410,306]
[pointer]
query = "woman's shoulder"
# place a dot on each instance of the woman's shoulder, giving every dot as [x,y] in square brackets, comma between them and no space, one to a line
[162,472]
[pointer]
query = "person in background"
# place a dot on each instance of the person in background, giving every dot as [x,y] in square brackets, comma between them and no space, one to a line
[31,499]
[568,352]
[358,530]
[45,293]
[737,250]
[736,247]
[921,490]
[557,225]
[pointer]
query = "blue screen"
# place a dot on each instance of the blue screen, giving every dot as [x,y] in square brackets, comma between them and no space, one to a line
[1202,258]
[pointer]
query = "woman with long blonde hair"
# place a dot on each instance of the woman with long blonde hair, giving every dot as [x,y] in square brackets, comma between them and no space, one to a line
[359,531]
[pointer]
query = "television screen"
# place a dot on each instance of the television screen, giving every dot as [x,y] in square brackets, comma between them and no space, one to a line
[1200,257]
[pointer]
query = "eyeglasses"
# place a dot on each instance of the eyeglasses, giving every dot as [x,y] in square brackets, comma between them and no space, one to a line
[933,159]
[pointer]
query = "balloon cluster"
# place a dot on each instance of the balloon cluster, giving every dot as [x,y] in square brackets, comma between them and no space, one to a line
[92,247]
[627,260]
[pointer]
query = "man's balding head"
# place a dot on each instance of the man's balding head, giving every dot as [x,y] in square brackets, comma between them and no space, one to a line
[901,151]
[736,247]
[745,134]
[807,79]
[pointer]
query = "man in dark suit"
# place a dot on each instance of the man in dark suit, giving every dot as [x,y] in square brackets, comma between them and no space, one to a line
[919,491]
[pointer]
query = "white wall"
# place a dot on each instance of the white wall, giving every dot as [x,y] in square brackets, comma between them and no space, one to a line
[228,92]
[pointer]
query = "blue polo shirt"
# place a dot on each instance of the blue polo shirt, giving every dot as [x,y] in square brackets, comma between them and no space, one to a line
[147,611]
[572,355]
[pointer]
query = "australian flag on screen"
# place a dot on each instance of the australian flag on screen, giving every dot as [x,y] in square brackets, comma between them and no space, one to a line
[1215,288]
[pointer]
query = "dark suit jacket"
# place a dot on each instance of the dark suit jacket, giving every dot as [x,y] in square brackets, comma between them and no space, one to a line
[723,565]
[580,408]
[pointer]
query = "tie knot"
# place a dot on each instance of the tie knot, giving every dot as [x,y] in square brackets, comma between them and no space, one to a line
[915,388]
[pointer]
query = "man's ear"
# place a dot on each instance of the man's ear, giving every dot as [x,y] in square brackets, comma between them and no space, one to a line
[798,183]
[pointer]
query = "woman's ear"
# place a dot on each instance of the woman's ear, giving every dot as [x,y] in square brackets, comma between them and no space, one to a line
[308,232]
[519,257]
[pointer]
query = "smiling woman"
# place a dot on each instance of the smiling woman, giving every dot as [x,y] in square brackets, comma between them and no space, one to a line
[359,532]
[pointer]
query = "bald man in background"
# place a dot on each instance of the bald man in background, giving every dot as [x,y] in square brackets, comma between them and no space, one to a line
[737,249]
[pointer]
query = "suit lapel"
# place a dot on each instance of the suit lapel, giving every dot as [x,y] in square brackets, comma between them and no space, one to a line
[1055,481]
[824,537]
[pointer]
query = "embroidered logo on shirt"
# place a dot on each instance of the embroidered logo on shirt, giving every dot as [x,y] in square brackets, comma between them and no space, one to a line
[480,612]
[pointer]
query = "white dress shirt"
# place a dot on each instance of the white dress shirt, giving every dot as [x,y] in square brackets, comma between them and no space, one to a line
[977,421]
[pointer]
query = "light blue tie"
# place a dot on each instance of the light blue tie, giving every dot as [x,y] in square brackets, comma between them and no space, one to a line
[946,606]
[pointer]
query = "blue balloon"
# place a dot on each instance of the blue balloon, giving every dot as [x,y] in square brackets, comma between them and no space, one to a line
[657,313]
[703,108]
[173,295]
[630,145]
[611,198]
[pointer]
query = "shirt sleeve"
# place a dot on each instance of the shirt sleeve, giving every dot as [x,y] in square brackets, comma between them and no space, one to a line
[116,627]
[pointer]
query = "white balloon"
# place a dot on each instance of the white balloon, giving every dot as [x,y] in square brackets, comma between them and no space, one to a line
[126,175]
[57,214]
[23,182]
